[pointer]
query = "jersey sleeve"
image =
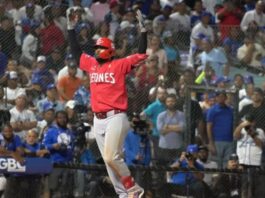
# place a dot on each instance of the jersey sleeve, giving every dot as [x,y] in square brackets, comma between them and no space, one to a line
[86,61]
[131,61]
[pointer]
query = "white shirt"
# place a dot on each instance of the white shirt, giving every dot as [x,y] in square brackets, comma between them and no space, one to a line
[24,116]
[182,21]
[199,28]
[250,16]
[248,152]
[64,72]
[99,10]
[29,47]
[259,50]
[38,13]
[11,94]
[245,101]
[208,178]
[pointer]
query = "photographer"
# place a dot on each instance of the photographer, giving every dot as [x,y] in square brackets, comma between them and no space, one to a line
[137,148]
[189,183]
[250,140]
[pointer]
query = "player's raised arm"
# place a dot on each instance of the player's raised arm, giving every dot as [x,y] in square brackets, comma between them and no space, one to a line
[72,19]
[143,37]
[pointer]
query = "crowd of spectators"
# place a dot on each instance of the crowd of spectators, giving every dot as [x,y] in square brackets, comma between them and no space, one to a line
[45,96]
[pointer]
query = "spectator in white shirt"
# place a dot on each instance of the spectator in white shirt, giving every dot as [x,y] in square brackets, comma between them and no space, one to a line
[12,90]
[22,119]
[250,141]
[253,19]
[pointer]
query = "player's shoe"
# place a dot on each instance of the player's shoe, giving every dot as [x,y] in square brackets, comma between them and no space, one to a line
[135,192]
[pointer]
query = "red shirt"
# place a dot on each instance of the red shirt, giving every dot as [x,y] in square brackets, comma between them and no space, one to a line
[107,81]
[229,20]
[51,37]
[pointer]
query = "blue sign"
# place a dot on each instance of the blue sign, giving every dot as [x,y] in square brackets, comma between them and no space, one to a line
[29,167]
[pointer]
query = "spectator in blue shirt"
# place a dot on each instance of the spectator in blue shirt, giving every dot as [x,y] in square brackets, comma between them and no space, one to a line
[3,63]
[10,144]
[220,129]
[194,181]
[59,141]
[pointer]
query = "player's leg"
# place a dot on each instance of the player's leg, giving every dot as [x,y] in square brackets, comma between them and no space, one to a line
[100,128]
[116,131]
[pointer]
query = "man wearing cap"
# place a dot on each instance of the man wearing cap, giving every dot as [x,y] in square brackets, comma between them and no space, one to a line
[48,115]
[202,28]
[12,90]
[69,59]
[22,119]
[42,73]
[30,45]
[194,181]
[229,185]
[52,98]
[220,135]
[67,85]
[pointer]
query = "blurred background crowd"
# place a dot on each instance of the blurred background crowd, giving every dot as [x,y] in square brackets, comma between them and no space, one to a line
[197,101]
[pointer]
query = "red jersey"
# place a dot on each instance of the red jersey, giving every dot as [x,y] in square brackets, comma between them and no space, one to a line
[107,81]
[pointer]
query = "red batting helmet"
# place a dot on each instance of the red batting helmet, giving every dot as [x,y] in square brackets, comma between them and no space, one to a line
[106,43]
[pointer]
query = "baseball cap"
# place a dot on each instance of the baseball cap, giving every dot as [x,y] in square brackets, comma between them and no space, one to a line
[113,3]
[203,147]
[259,91]
[205,13]
[50,86]
[192,148]
[70,104]
[219,92]
[72,64]
[47,106]
[36,79]
[233,156]
[41,59]
[249,79]
[21,94]
[125,24]
[12,75]
[167,34]
[69,56]
[222,79]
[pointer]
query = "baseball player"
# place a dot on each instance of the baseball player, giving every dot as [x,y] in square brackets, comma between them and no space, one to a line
[109,101]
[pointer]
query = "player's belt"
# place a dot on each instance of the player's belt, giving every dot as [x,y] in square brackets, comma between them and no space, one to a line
[104,115]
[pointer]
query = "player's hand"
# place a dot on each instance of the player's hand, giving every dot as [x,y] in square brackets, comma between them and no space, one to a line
[140,19]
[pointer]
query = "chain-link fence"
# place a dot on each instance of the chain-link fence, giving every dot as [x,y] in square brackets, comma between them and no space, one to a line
[35,55]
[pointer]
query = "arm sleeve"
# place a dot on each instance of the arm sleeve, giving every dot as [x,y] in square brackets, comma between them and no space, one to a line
[48,142]
[142,43]
[74,46]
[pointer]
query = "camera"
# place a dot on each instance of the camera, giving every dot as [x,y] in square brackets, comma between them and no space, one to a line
[80,134]
[189,156]
[63,147]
